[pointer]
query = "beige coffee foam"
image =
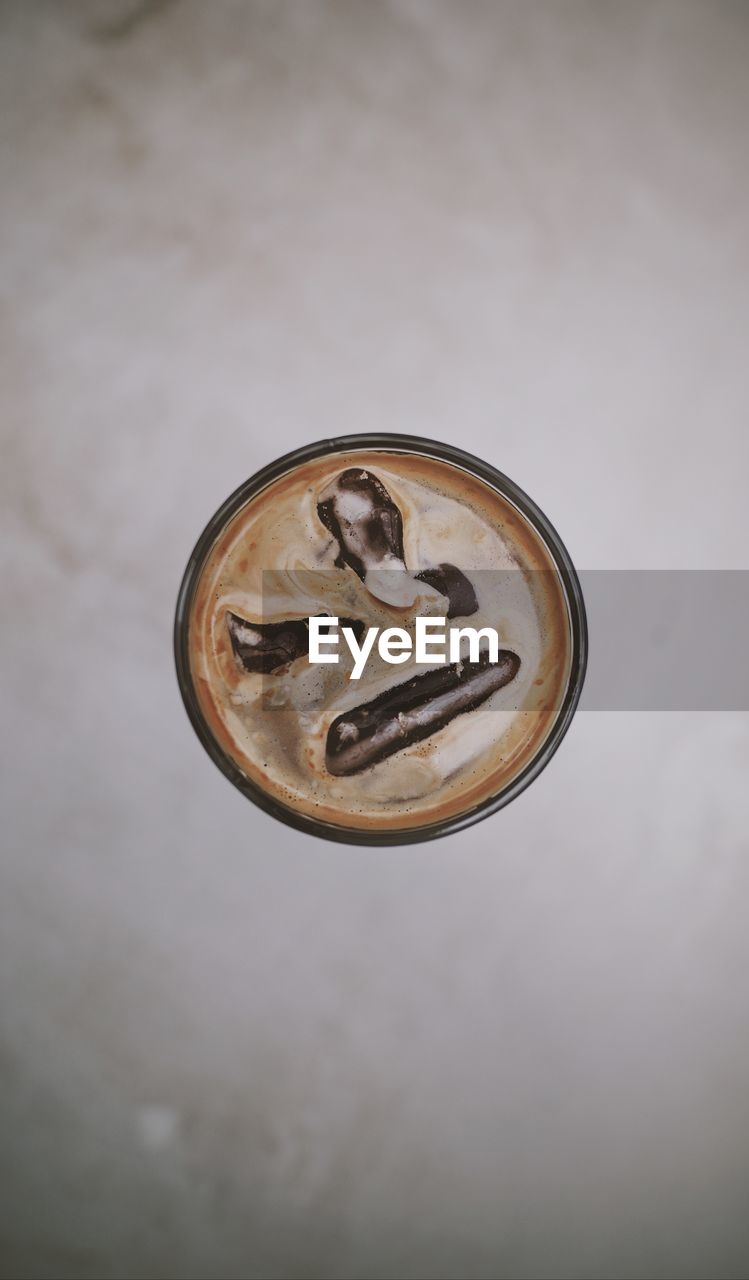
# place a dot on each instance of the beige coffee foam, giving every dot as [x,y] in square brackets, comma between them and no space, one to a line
[271,563]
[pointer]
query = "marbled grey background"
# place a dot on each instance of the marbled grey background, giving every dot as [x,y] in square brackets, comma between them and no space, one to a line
[228,1049]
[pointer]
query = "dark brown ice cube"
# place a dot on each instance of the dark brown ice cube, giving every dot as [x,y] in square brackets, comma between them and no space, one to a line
[453,583]
[365,522]
[268,646]
[413,711]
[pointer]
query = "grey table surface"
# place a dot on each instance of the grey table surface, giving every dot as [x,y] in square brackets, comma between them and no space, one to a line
[229,1049]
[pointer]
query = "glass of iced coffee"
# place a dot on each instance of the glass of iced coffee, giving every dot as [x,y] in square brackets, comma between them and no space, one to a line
[380,639]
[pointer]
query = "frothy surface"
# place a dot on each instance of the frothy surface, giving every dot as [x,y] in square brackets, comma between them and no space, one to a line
[277,561]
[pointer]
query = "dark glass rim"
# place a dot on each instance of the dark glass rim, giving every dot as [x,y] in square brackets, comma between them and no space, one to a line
[393,443]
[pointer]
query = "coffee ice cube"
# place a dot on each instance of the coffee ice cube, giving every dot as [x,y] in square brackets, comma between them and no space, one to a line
[368,527]
[413,711]
[268,646]
[452,583]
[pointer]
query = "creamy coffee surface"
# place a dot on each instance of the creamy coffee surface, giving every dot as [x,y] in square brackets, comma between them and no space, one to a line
[377,538]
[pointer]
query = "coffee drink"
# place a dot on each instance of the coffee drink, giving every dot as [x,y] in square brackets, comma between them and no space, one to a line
[376,538]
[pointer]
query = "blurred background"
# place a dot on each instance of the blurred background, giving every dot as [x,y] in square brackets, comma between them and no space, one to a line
[228,229]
